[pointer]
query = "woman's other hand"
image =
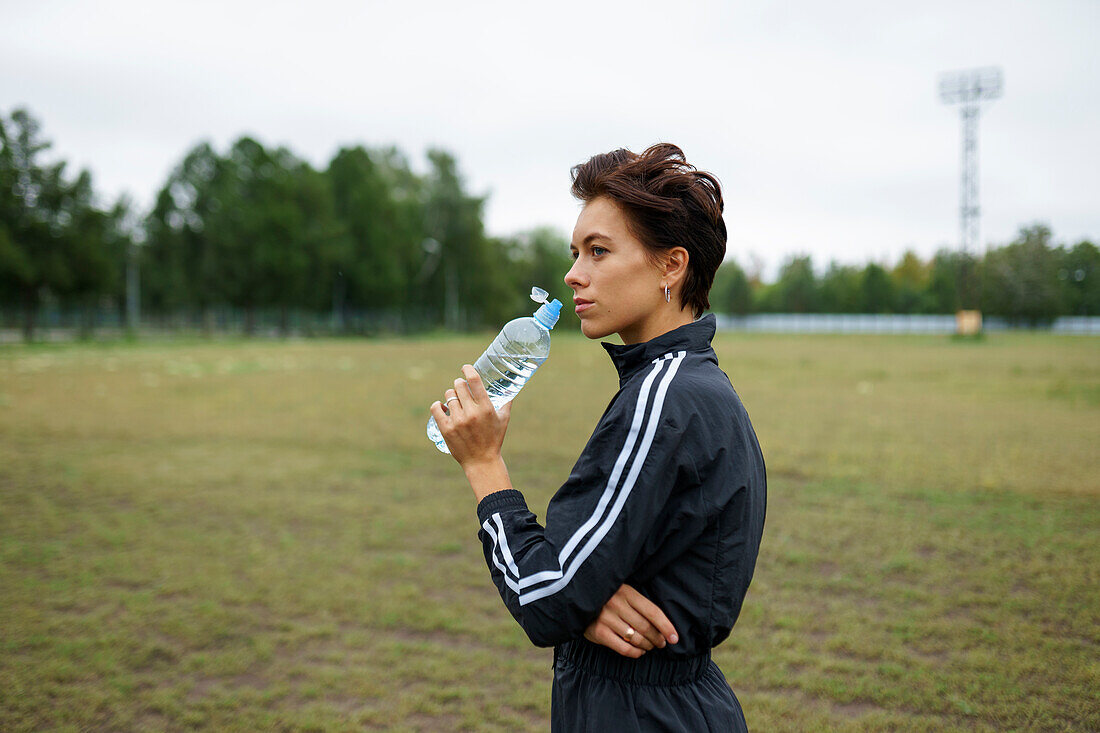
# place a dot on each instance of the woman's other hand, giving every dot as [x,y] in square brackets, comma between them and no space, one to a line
[631,625]
[473,429]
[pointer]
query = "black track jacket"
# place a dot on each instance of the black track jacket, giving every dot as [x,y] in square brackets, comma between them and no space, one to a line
[668,496]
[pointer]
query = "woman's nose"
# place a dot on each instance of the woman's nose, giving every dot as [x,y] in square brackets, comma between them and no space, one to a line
[573,278]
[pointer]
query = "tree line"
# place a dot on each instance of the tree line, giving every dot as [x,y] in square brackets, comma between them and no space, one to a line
[368,244]
[1029,281]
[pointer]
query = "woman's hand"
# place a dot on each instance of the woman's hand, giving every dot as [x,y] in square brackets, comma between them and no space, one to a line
[473,429]
[631,625]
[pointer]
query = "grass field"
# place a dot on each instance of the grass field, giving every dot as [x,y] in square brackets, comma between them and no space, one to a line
[257,535]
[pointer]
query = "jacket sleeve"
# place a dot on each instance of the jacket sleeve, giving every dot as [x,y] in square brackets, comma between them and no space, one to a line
[555,579]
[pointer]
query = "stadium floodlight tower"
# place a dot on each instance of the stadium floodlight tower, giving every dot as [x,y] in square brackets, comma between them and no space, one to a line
[968,89]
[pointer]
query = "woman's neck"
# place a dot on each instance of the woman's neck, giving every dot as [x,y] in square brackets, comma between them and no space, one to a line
[660,321]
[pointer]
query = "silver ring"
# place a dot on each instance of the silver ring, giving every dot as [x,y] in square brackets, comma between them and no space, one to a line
[449,401]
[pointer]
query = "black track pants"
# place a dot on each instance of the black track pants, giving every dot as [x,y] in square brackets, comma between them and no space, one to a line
[599,691]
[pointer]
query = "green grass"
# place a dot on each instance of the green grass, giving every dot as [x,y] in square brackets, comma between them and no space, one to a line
[257,535]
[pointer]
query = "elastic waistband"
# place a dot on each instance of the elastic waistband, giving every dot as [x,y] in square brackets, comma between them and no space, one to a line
[653,668]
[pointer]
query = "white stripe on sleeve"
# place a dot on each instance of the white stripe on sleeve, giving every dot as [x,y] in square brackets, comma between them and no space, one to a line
[643,451]
[613,495]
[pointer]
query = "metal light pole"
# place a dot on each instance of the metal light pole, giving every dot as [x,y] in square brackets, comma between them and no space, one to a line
[133,290]
[968,89]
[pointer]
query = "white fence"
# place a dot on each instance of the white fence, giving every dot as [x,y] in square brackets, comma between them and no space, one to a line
[888,323]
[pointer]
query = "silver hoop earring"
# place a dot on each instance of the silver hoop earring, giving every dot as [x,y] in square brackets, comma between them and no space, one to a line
[668,295]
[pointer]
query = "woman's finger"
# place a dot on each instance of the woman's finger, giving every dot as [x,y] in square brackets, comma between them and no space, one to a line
[462,389]
[651,612]
[442,419]
[629,634]
[475,385]
[620,604]
[625,627]
[449,398]
[603,634]
[643,629]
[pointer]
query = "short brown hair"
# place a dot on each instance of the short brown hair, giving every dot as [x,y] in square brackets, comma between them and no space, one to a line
[668,203]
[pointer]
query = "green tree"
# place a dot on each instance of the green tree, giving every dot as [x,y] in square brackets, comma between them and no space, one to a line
[320,236]
[1079,273]
[52,236]
[470,285]
[274,214]
[13,266]
[765,298]
[182,265]
[841,289]
[1020,280]
[255,228]
[797,286]
[407,195]
[949,271]
[910,278]
[731,292]
[537,257]
[126,237]
[31,250]
[544,256]
[96,249]
[380,238]
[876,289]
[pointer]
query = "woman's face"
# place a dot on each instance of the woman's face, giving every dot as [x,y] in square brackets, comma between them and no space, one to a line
[616,288]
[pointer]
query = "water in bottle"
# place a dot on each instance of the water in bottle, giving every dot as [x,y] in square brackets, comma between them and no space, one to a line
[517,351]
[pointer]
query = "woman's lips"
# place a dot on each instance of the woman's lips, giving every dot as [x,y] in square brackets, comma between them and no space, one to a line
[583,305]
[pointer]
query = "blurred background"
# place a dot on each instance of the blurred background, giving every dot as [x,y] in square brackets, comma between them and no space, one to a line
[243,247]
[372,168]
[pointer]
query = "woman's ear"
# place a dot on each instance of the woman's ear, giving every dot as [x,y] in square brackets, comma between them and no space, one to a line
[676,262]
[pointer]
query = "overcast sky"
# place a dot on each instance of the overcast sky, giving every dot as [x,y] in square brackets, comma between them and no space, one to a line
[822,120]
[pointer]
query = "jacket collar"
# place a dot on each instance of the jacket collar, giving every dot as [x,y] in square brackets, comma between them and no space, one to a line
[695,336]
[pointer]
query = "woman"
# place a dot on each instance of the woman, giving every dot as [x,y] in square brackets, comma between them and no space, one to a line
[650,544]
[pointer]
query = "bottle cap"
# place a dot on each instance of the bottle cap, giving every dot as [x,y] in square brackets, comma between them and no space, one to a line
[548,313]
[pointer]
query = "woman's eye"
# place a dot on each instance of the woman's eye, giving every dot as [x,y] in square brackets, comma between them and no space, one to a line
[598,251]
[574,254]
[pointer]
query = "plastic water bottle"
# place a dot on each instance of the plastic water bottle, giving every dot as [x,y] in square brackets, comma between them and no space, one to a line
[518,350]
